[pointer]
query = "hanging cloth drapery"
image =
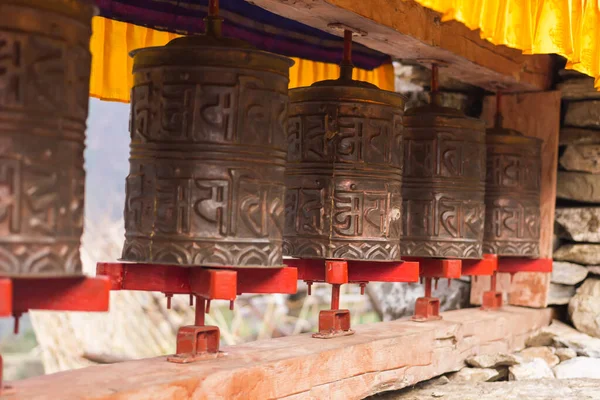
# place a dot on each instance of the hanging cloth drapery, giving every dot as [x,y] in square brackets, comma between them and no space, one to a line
[570,28]
[126,25]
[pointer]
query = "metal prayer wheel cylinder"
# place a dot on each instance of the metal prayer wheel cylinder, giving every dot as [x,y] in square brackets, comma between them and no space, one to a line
[206,181]
[344,171]
[512,194]
[443,183]
[44,85]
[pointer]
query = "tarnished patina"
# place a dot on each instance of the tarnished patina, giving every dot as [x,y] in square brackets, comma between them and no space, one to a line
[206,184]
[343,174]
[512,193]
[44,82]
[443,183]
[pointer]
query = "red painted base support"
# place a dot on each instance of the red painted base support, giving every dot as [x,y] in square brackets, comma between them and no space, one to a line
[199,342]
[427,308]
[335,322]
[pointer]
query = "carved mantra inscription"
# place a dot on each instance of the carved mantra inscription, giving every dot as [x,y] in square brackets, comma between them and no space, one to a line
[207,162]
[343,181]
[443,192]
[44,82]
[512,199]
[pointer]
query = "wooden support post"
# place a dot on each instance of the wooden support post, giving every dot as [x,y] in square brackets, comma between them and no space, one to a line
[537,115]
[379,357]
[407,30]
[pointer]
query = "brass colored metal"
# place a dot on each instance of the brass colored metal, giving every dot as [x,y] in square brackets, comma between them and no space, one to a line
[343,174]
[512,195]
[44,85]
[206,181]
[443,182]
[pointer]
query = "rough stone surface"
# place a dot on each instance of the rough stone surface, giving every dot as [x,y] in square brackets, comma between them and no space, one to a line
[583,114]
[544,352]
[587,254]
[560,294]
[580,224]
[578,186]
[584,308]
[534,369]
[566,273]
[543,389]
[578,136]
[578,367]
[565,354]
[582,157]
[593,269]
[493,360]
[578,89]
[476,375]
[559,334]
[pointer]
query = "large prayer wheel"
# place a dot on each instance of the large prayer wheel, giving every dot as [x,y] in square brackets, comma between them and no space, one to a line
[343,175]
[443,183]
[208,147]
[512,193]
[44,82]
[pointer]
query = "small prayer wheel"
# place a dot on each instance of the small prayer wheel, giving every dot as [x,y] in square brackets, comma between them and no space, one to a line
[443,182]
[44,89]
[512,192]
[208,148]
[343,172]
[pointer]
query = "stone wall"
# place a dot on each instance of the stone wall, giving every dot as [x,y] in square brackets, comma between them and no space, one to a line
[577,223]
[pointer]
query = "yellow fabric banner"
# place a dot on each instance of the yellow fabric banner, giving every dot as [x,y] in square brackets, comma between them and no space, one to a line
[112,41]
[570,28]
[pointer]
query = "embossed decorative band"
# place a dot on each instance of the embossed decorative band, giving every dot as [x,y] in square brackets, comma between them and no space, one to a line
[343,175]
[512,200]
[206,182]
[443,184]
[44,83]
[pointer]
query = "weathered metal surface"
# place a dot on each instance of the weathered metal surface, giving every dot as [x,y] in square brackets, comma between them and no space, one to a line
[44,82]
[512,195]
[206,184]
[443,184]
[343,175]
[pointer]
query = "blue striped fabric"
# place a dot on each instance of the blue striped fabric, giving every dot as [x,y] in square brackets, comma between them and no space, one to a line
[261,28]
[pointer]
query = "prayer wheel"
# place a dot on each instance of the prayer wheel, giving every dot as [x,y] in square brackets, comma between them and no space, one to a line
[44,85]
[343,174]
[443,182]
[208,147]
[512,192]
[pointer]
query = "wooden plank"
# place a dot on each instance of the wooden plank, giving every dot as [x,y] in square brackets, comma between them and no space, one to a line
[378,357]
[407,30]
[537,115]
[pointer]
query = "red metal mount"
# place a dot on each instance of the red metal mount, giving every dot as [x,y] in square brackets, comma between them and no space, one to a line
[197,342]
[488,266]
[336,322]
[428,308]
[19,295]
[512,265]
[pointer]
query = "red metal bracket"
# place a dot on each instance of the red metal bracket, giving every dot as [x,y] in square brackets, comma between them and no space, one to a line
[198,342]
[427,308]
[19,295]
[336,322]
[487,266]
[6,296]
[512,265]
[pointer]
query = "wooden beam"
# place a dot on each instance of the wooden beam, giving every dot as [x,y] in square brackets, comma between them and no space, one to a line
[378,357]
[536,115]
[407,30]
